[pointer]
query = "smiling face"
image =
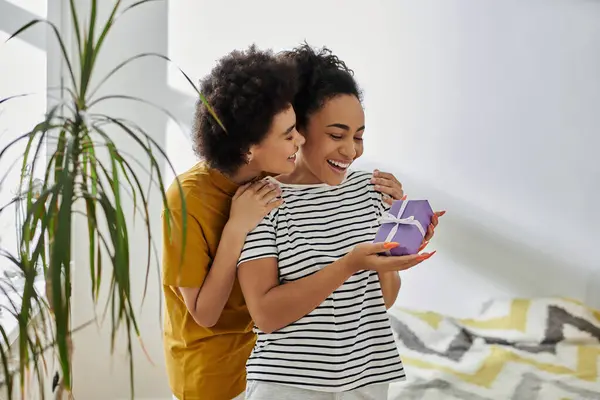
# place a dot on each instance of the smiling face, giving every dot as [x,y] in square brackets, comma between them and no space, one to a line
[276,154]
[333,141]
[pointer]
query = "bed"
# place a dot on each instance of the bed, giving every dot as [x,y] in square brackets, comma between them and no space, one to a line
[519,349]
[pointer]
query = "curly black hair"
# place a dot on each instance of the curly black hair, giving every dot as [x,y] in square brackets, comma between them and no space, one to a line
[321,76]
[246,90]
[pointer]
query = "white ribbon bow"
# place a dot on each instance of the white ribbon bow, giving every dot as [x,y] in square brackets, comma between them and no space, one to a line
[388,218]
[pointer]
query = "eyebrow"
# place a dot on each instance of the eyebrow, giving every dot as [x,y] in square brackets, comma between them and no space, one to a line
[345,127]
[288,130]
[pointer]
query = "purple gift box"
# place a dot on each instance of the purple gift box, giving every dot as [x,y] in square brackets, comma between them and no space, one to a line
[405,223]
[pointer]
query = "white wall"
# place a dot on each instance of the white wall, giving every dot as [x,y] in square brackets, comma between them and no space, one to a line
[492,110]
[489,109]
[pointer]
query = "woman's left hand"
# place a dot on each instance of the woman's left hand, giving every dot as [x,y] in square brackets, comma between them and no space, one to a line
[391,188]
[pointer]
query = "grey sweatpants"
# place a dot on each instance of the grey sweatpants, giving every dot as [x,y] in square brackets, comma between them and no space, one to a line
[256,390]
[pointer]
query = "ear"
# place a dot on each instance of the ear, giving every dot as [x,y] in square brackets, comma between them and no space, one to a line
[249,155]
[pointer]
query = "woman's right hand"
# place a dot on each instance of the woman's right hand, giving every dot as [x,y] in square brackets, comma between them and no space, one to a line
[367,256]
[252,202]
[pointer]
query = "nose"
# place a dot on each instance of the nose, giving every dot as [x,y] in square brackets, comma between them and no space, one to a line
[299,139]
[348,150]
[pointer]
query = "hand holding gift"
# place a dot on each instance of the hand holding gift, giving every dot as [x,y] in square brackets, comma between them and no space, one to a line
[410,223]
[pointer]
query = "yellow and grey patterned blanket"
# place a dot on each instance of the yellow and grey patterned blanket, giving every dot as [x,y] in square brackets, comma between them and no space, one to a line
[519,349]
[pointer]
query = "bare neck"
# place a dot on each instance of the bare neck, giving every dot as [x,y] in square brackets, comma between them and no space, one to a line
[244,175]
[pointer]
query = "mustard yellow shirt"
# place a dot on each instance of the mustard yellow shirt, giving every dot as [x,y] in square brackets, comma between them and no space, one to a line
[202,363]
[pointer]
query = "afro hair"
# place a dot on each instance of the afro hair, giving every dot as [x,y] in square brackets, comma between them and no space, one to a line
[246,89]
[321,76]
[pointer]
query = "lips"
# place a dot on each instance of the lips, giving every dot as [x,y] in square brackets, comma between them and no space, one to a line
[338,166]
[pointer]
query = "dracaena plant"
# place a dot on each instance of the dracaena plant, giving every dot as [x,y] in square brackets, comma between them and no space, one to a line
[83,172]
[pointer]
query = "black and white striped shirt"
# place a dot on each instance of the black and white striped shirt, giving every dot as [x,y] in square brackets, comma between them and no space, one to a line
[346,342]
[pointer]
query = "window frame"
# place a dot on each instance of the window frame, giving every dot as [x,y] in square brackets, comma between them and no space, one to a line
[44,40]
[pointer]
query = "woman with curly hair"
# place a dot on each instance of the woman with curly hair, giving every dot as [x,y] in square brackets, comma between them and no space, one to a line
[207,328]
[315,284]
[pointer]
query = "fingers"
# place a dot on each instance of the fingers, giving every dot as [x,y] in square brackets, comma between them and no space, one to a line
[259,189]
[377,248]
[429,233]
[400,263]
[426,256]
[241,190]
[435,219]
[390,245]
[403,263]
[271,196]
[378,174]
[250,188]
[390,200]
[385,182]
[273,205]
[268,191]
[258,185]
[434,223]
[395,192]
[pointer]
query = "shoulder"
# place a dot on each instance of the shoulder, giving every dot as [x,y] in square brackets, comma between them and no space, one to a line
[362,181]
[358,178]
[193,186]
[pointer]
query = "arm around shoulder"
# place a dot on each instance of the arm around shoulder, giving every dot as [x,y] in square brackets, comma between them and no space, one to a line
[206,302]
[204,283]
